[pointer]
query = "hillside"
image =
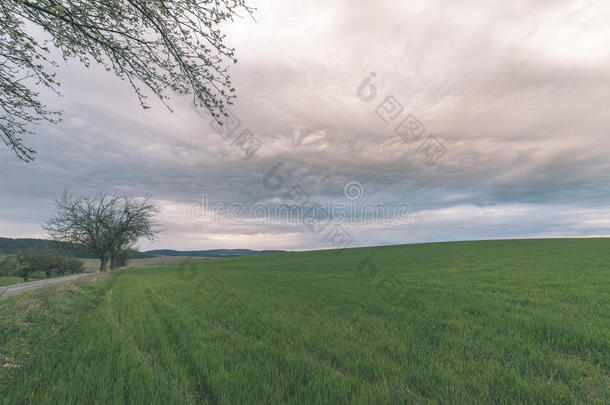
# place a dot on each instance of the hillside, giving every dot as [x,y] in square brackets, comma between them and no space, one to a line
[211,253]
[9,246]
[14,245]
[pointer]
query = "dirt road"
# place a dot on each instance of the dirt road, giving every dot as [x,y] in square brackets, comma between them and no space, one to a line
[11,290]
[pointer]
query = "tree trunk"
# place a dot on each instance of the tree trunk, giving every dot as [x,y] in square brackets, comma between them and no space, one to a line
[104,262]
[113,258]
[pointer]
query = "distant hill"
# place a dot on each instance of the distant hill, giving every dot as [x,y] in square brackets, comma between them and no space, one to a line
[211,253]
[10,245]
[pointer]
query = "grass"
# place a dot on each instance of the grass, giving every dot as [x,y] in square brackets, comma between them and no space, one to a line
[93,265]
[10,280]
[523,321]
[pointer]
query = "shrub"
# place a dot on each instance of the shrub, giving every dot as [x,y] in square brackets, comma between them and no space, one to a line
[30,261]
[121,258]
[57,263]
[7,266]
[74,266]
[24,261]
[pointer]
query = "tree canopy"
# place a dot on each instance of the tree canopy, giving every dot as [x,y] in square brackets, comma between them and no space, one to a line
[106,225]
[29,261]
[170,45]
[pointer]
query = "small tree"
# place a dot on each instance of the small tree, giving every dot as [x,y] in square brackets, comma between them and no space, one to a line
[132,219]
[23,267]
[74,266]
[120,258]
[58,263]
[45,261]
[103,224]
[7,265]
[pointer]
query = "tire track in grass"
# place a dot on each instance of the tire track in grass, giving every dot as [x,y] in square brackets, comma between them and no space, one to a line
[203,390]
[304,352]
[348,379]
[184,343]
[148,360]
[364,343]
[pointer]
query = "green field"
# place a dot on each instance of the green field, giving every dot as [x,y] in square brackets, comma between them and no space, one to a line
[10,280]
[522,321]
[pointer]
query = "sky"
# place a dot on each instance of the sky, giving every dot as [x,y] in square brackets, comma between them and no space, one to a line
[408,122]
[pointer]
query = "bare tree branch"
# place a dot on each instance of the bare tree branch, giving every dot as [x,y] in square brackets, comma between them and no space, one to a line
[170,45]
[104,225]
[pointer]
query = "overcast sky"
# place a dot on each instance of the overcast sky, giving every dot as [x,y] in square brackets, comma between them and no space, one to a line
[513,98]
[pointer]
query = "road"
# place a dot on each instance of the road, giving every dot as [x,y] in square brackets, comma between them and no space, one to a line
[11,290]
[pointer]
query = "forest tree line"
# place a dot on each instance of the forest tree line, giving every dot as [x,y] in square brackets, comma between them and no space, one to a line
[45,263]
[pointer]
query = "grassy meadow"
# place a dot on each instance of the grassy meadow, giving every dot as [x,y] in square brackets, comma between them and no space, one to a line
[10,280]
[93,265]
[521,321]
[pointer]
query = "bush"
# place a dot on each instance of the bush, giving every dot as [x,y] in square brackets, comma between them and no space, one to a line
[74,266]
[40,261]
[25,260]
[30,261]
[121,258]
[7,266]
[58,264]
